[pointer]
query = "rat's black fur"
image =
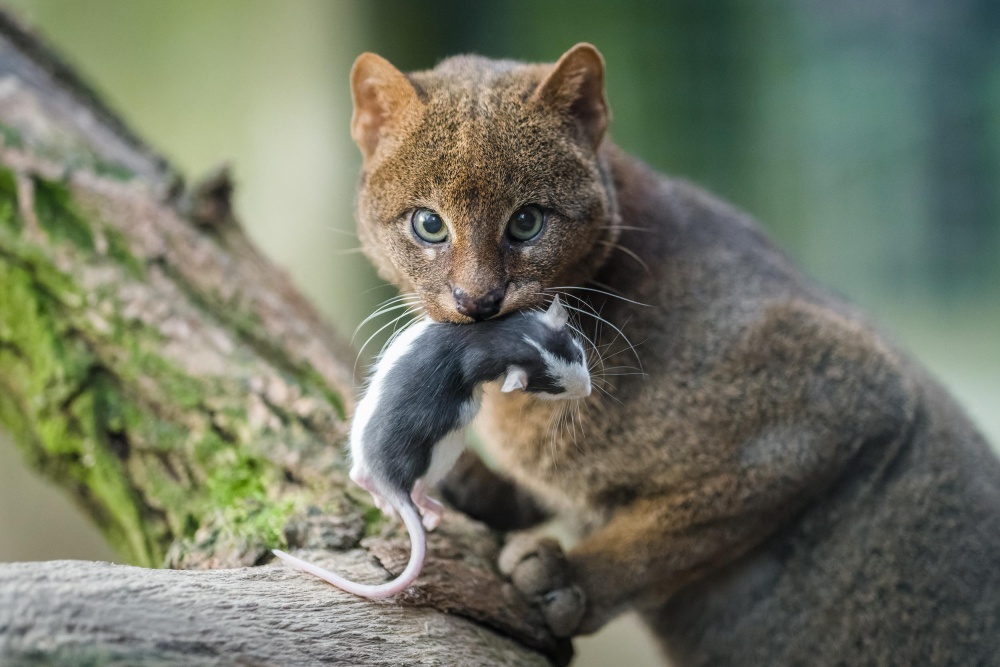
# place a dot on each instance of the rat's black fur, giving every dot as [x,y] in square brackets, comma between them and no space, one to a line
[423,400]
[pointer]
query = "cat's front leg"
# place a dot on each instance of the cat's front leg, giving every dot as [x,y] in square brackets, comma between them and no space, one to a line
[654,546]
[474,489]
[639,559]
[539,570]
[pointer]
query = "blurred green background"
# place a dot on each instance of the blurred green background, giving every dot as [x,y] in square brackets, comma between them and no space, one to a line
[864,135]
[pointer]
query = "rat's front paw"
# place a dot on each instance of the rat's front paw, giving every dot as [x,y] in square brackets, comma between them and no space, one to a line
[538,569]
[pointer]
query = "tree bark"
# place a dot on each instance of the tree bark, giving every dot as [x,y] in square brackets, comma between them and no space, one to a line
[161,368]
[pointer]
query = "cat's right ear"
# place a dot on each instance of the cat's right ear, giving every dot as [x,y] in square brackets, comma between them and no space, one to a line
[382,95]
[575,86]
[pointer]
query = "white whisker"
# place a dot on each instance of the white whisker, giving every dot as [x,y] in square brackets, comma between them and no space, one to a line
[338,230]
[628,228]
[589,289]
[380,330]
[608,394]
[593,313]
[629,252]
[378,313]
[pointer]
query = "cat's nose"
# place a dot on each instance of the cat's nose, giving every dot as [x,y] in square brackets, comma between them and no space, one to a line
[480,307]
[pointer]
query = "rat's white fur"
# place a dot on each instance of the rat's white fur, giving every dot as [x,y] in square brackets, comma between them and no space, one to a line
[572,378]
[368,405]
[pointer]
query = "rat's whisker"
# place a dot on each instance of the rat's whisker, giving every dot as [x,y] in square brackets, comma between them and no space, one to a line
[609,395]
[621,368]
[575,326]
[596,359]
[627,342]
[610,324]
[574,411]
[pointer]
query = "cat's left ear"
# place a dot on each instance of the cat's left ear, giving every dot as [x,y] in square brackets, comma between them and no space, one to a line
[576,86]
[556,316]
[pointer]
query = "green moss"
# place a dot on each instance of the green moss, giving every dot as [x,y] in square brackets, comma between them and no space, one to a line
[261,521]
[311,377]
[9,215]
[190,525]
[236,481]
[248,326]
[374,520]
[54,289]
[153,451]
[113,171]
[59,419]
[239,489]
[58,216]
[119,251]
[12,137]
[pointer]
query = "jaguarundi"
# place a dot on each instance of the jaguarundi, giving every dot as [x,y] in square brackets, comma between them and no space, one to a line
[763,476]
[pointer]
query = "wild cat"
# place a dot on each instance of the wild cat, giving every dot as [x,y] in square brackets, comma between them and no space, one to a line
[408,429]
[779,485]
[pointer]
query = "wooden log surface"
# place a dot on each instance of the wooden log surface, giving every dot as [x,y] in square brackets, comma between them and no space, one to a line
[80,613]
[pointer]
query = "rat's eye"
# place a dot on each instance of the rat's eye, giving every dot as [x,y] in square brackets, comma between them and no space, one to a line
[428,226]
[526,223]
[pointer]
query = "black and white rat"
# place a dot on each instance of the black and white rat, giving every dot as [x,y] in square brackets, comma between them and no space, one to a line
[426,387]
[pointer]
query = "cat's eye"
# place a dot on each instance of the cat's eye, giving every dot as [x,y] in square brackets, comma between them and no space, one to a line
[526,223]
[429,226]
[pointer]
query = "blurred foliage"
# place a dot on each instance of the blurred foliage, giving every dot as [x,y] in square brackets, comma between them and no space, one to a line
[864,135]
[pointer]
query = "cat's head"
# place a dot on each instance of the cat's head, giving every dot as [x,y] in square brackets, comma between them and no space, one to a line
[482,180]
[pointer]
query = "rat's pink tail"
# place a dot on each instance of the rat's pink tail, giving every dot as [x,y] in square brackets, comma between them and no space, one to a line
[418,548]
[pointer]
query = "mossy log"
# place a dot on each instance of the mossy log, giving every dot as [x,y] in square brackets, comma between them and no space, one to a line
[158,366]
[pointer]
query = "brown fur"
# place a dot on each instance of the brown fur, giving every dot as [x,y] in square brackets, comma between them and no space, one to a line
[779,485]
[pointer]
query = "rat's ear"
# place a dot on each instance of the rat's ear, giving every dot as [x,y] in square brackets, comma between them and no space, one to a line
[381,95]
[517,378]
[556,316]
[575,86]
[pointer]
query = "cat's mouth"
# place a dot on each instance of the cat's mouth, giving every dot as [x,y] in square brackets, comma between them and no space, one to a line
[518,296]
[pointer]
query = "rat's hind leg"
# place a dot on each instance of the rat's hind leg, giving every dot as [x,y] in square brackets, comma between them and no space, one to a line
[361,478]
[430,509]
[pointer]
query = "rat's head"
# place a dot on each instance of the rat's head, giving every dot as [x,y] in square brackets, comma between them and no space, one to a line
[551,362]
[482,182]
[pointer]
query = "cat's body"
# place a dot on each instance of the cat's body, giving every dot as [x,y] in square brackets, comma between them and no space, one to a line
[840,508]
[778,486]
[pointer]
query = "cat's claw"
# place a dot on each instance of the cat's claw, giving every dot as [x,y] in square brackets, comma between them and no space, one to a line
[539,571]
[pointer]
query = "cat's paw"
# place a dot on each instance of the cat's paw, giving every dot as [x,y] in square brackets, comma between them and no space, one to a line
[539,571]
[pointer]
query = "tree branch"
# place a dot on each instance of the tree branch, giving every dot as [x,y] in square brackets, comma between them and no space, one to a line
[69,613]
[156,364]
